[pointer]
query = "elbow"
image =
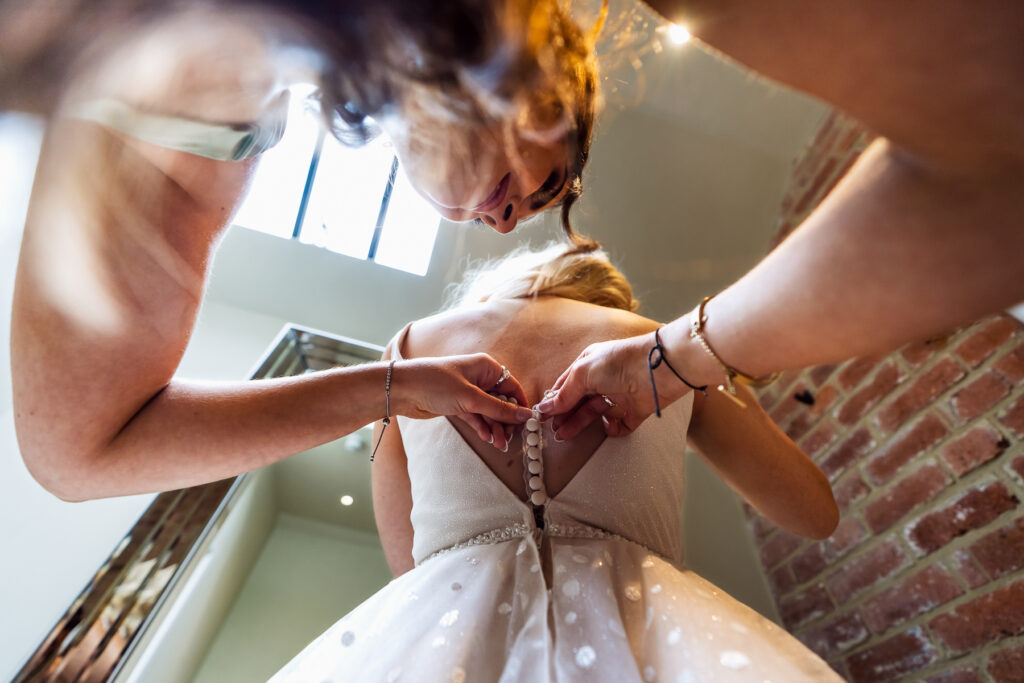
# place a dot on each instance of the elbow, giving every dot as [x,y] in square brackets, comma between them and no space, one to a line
[66,480]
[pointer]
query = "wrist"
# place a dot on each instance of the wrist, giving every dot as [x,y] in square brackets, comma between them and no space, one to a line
[686,354]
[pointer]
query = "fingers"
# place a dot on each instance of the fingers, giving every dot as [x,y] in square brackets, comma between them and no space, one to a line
[478,425]
[511,388]
[588,411]
[497,410]
[568,393]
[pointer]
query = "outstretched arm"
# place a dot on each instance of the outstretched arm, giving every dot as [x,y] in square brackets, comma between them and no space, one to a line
[922,235]
[763,465]
[112,269]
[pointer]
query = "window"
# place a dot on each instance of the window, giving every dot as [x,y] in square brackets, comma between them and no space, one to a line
[353,201]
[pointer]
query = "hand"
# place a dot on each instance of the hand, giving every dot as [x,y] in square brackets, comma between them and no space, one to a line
[459,385]
[614,370]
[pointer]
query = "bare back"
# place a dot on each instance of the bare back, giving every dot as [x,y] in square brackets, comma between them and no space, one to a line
[536,339]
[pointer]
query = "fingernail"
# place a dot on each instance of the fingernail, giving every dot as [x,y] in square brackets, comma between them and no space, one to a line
[491,440]
[544,405]
[558,438]
[524,414]
[505,449]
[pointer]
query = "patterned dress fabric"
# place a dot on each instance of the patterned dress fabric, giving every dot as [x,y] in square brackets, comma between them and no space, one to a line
[588,586]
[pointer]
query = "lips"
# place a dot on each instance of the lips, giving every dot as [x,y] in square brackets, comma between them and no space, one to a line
[495,197]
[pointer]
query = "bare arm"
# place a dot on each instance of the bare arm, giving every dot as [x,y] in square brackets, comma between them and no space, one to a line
[392,496]
[763,465]
[923,234]
[112,269]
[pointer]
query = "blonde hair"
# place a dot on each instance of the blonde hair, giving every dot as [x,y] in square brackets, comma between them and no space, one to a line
[577,272]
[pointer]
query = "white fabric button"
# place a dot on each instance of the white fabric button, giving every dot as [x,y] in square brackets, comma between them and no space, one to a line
[538,498]
[536,483]
[533,424]
[534,466]
[533,453]
[533,438]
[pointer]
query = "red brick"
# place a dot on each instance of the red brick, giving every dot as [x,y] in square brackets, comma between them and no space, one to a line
[786,379]
[799,426]
[892,659]
[804,606]
[964,674]
[983,342]
[857,405]
[761,526]
[1013,417]
[968,569]
[980,395]
[918,395]
[817,441]
[974,448]
[1018,466]
[766,397]
[852,449]
[1011,366]
[854,372]
[851,137]
[849,490]
[905,445]
[918,353]
[823,183]
[836,636]
[904,496]
[822,400]
[781,580]
[778,547]
[1002,551]
[984,620]
[920,593]
[865,570]
[821,373]
[848,534]
[810,562]
[1007,666]
[975,509]
[788,405]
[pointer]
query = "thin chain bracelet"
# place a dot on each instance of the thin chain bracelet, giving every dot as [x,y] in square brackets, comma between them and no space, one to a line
[732,375]
[387,408]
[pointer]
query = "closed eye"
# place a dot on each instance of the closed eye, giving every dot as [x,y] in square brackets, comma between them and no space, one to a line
[551,188]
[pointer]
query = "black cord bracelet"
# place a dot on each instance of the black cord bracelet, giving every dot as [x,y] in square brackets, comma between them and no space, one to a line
[652,364]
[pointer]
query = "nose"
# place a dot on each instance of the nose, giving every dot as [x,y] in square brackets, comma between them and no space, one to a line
[503,217]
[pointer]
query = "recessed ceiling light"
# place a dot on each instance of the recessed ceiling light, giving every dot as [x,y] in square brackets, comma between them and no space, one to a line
[347,500]
[678,34]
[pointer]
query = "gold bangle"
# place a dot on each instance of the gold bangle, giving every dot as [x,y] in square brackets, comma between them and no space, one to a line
[731,374]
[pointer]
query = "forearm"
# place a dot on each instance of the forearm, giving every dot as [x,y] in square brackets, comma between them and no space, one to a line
[192,433]
[750,453]
[895,254]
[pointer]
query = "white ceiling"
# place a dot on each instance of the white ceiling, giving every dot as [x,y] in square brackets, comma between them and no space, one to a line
[683,188]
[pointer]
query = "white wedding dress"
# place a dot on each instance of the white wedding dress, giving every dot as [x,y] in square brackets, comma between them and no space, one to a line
[588,586]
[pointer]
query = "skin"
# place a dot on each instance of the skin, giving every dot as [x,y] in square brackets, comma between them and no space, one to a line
[744,447]
[137,227]
[922,235]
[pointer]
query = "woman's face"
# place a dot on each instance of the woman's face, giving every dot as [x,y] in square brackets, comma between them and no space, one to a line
[485,175]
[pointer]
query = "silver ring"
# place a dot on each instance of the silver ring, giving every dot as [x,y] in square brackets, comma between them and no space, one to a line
[611,403]
[505,374]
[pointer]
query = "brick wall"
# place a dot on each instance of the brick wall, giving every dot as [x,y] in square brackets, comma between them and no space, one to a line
[924,577]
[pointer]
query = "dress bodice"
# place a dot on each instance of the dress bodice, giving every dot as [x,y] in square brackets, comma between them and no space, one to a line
[630,487]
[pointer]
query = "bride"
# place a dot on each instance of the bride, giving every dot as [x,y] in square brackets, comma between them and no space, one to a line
[549,560]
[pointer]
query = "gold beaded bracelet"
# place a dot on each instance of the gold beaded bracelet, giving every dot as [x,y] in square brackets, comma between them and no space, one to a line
[732,375]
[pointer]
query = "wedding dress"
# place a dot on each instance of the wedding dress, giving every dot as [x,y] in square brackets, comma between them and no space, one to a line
[587,585]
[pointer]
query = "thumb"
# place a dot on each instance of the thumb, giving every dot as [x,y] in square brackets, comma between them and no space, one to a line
[482,403]
[567,396]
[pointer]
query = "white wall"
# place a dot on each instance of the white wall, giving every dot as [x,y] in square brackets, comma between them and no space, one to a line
[308,576]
